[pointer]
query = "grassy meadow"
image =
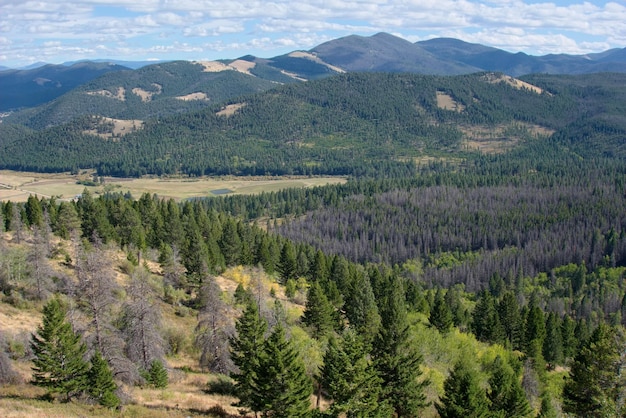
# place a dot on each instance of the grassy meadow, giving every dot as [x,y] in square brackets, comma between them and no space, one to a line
[17,186]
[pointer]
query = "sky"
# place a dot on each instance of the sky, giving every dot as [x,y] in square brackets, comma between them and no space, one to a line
[57,31]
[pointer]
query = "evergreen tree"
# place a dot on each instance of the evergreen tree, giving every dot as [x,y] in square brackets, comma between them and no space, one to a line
[360,308]
[593,386]
[507,395]
[511,320]
[287,264]
[350,380]
[101,384]
[230,244]
[463,396]
[156,376]
[568,337]
[281,386]
[397,362]
[535,325]
[440,314]
[318,313]
[547,409]
[245,350]
[486,321]
[59,365]
[553,343]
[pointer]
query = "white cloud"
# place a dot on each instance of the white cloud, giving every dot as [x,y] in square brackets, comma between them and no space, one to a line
[180,28]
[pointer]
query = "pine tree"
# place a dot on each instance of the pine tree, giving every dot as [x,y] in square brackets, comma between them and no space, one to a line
[101,384]
[245,350]
[281,386]
[507,395]
[397,362]
[156,375]
[463,396]
[287,265]
[553,343]
[511,320]
[593,386]
[440,314]
[318,313]
[350,380]
[360,309]
[59,365]
[230,244]
[486,321]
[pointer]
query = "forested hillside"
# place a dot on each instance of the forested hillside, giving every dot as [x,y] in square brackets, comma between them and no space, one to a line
[297,323]
[353,124]
[147,93]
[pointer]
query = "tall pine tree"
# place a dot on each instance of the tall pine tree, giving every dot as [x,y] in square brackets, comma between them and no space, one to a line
[281,387]
[246,349]
[350,380]
[396,360]
[59,365]
[593,387]
[463,395]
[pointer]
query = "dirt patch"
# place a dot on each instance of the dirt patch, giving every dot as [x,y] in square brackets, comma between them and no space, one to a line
[230,109]
[243,66]
[513,82]
[501,138]
[213,66]
[120,94]
[194,96]
[315,58]
[115,128]
[447,102]
[145,95]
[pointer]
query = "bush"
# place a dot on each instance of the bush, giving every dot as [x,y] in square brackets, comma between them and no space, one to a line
[222,385]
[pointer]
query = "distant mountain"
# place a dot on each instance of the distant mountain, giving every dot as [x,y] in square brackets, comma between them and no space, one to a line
[381,52]
[128,64]
[27,88]
[386,53]
[150,92]
[516,64]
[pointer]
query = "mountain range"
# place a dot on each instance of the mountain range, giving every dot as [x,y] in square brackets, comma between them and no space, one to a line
[378,53]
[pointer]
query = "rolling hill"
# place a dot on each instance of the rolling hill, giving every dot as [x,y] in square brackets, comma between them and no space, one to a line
[381,52]
[350,124]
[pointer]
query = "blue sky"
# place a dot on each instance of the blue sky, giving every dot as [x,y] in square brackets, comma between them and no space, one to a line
[57,31]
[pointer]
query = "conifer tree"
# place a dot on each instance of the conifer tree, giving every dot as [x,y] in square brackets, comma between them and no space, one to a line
[156,375]
[440,314]
[59,365]
[593,386]
[245,350]
[230,243]
[350,380]
[281,386]
[360,308]
[287,264]
[101,384]
[511,320]
[507,395]
[463,396]
[553,343]
[486,321]
[318,313]
[395,359]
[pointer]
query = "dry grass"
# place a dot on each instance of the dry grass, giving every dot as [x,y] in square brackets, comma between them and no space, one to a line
[193,96]
[145,95]
[119,95]
[446,102]
[230,109]
[120,127]
[19,185]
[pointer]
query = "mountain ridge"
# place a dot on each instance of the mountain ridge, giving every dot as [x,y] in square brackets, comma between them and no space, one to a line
[381,52]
